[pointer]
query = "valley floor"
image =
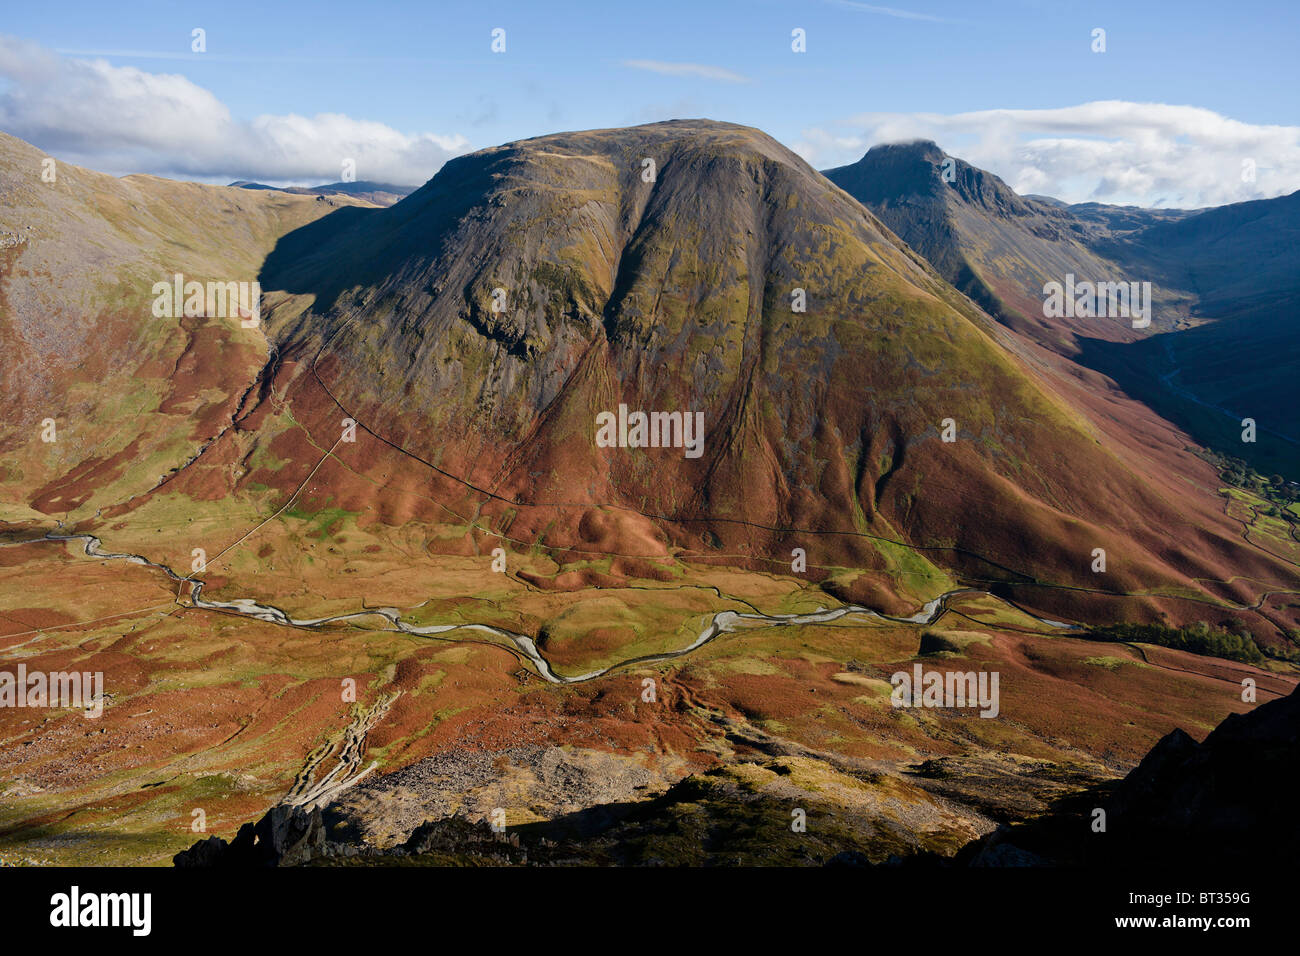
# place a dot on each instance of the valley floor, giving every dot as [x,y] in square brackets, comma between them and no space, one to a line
[744,704]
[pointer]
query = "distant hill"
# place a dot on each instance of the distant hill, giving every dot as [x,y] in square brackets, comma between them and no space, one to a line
[1241,264]
[380,194]
[1118,221]
[1239,260]
[64,329]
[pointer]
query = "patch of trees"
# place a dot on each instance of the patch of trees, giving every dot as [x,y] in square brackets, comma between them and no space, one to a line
[1198,638]
[1276,489]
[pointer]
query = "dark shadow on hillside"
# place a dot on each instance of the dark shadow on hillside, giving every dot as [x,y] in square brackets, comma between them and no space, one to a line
[1224,802]
[1227,802]
[1225,372]
[354,247]
[296,264]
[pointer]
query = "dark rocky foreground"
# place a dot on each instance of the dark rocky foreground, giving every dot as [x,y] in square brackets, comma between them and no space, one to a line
[705,819]
[292,836]
[1228,801]
[1224,802]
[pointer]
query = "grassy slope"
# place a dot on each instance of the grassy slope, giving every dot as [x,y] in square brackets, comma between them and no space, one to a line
[133,395]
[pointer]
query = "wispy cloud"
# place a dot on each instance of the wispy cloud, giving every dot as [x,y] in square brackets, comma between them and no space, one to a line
[1152,154]
[120,119]
[333,58]
[702,70]
[889,11]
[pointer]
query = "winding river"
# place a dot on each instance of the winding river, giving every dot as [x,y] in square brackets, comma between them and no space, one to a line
[723,622]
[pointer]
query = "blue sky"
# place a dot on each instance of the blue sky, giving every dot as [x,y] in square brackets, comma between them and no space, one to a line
[870,72]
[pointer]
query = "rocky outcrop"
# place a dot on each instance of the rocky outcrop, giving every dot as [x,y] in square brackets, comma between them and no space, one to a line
[1227,801]
[293,836]
[1230,799]
[286,836]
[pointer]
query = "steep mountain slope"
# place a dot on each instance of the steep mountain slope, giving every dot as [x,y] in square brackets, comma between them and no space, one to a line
[132,394]
[1242,264]
[996,246]
[480,327]
[1233,261]
[821,426]
[1240,261]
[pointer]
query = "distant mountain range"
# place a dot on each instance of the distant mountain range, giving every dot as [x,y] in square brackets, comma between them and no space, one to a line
[1226,283]
[381,194]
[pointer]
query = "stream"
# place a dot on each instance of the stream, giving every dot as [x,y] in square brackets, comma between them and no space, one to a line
[723,622]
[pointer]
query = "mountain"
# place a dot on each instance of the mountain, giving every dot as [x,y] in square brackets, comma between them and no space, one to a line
[1241,265]
[676,295]
[823,429]
[1224,283]
[1115,222]
[384,553]
[1241,260]
[998,247]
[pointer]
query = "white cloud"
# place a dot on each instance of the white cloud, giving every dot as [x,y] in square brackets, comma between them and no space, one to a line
[701,70]
[1106,151]
[120,119]
[824,149]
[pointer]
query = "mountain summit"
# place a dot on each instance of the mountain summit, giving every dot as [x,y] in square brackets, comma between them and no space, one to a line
[996,246]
